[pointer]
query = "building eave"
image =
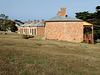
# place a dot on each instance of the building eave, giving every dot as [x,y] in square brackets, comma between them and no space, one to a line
[64,21]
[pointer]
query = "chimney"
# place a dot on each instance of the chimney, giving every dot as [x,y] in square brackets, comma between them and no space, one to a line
[63,12]
[25,22]
[13,20]
[59,13]
[31,21]
[38,21]
[28,21]
[34,21]
[42,21]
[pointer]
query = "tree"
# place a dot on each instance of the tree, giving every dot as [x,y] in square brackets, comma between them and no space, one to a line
[98,14]
[93,18]
[12,26]
[98,8]
[86,16]
[2,16]
[18,21]
[8,25]
[82,15]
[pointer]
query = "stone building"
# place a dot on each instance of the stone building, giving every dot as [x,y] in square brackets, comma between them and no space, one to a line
[64,27]
[30,28]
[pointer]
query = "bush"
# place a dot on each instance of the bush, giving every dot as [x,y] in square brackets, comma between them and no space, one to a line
[96,34]
[83,41]
[25,36]
[30,36]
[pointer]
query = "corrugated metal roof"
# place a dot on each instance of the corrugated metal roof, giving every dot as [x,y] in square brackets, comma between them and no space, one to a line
[67,18]
[32,24]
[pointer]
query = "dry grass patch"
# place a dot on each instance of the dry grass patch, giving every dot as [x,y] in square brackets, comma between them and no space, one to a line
[34,56]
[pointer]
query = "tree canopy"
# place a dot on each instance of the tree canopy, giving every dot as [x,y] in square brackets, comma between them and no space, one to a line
[98,8]
[18,21]
[3,16]
[6,24]
[93,18]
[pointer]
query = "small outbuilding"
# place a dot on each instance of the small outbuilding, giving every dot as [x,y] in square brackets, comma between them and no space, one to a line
[64,27]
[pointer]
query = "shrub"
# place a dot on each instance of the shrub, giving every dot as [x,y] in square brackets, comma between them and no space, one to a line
[83,41]
[25,36]
[30,36]
[96,34]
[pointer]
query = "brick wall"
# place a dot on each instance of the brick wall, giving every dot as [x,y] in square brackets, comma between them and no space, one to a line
[69,31]
[40,31]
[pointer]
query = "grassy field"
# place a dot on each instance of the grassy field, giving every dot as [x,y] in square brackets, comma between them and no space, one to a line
[35,56]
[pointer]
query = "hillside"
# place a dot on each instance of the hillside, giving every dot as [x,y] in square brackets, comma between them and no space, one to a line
[20,56]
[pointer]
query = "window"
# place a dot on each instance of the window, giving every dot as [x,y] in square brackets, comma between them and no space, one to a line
[22,30]
[30,30]
[35,31]
[27,30]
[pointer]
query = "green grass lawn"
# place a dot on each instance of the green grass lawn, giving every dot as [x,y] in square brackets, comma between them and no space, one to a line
[35,56]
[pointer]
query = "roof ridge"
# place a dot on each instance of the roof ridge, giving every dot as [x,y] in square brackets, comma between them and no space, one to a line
[32,24]
[67,18]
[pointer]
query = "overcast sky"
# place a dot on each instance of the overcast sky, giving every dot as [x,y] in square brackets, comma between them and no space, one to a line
[44,9]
